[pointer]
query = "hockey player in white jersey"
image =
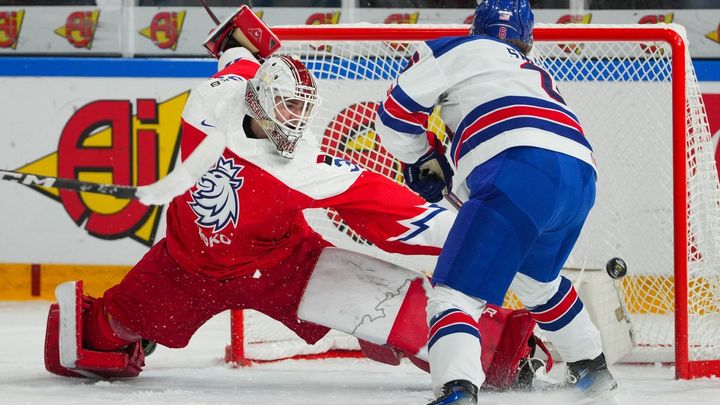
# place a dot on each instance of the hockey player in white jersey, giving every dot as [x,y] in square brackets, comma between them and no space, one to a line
[526,174]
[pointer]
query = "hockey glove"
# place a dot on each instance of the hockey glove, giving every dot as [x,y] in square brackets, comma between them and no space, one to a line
[245,29]
[431,174]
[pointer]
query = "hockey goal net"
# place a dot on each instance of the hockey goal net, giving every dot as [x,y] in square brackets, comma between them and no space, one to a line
[658,202]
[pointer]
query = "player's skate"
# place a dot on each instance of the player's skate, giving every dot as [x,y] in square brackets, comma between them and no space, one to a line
[457,392]
[591,379]
[65,354]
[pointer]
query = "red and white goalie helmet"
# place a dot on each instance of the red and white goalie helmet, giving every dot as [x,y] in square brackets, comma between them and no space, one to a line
[283,98]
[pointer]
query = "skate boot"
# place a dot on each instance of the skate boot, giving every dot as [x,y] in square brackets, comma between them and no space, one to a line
[457,392]
[591,379]
[65,353]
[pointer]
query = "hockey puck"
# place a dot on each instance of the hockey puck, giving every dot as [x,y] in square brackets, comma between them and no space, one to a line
[616,268]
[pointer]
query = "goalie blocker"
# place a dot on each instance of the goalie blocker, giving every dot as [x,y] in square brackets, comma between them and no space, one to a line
[383,305]
[242,28]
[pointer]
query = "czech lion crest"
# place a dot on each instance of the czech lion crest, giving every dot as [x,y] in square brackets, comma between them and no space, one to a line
[215,199]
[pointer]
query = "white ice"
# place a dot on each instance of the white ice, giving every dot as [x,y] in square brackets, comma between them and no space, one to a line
[198,375]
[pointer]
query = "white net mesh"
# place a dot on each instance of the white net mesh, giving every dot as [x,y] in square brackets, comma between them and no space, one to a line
[621,91]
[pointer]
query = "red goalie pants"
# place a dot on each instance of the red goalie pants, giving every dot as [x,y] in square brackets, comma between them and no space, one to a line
[161,301]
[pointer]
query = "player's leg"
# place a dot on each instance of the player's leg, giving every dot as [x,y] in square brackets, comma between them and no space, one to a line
[550,298]
[384,306]
[278,292]
[162,301]
[485,247]
[560,314]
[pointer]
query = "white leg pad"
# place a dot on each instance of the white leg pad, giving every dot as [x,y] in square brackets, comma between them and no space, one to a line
[66,296]
[363,296]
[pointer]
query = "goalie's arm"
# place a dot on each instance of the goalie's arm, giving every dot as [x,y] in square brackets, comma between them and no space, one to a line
[183,176]
[199,121]
[391,216]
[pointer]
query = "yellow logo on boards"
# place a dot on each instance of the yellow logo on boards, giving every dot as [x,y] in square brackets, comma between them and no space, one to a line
[79,28]
[165,29]
[104,142]
[714,35]
[10,25]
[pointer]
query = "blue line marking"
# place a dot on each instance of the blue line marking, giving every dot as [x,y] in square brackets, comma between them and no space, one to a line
[331,68]
[106,67]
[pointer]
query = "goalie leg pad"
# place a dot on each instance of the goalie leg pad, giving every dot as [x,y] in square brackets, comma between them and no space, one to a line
[65,353]
[384,306]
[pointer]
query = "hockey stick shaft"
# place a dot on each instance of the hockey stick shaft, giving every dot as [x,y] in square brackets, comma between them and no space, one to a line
[212,15]
[30,180]
[454,200]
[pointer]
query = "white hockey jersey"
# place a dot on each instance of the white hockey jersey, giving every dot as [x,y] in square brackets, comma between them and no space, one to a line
[492,98]
[245,212]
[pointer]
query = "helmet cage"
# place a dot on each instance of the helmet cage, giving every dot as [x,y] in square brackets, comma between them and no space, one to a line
[283,98]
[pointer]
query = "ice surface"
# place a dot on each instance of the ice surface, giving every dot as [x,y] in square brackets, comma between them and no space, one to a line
[198,375]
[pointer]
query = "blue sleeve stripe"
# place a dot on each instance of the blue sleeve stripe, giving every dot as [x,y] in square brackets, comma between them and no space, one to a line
[397,124]
[407,102]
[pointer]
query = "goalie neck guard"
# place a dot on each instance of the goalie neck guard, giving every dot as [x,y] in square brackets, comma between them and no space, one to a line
[283,98]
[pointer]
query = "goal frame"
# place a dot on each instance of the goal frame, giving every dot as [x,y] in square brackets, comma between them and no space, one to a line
[684,367]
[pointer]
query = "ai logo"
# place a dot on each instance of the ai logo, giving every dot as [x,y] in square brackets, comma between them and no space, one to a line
[215,199]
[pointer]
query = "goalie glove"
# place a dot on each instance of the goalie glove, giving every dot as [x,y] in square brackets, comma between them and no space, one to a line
[430,175]
[244,29]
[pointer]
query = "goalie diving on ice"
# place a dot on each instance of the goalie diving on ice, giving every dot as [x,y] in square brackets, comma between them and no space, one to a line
[236,238]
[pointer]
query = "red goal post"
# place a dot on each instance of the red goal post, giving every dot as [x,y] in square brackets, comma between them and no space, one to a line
[635,92]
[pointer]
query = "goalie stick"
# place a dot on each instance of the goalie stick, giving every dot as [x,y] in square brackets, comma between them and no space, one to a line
[30,180]
[212,15]
[453,199]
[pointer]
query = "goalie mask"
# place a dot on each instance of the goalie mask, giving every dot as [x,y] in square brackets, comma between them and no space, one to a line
[504,19]
[283,98]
